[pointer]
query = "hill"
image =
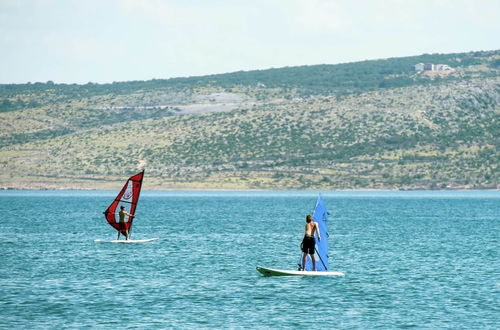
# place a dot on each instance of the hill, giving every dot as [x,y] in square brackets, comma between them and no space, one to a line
[372,124]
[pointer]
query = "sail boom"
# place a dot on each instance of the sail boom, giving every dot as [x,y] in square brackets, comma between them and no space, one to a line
[119,200]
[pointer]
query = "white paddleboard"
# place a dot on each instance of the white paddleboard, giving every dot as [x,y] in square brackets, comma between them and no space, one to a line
[130,241]
[281,272]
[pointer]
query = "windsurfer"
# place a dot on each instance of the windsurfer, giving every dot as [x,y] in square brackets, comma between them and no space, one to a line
[309,243]
[122,222]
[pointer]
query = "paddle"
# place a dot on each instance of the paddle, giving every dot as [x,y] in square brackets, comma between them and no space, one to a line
[321,259]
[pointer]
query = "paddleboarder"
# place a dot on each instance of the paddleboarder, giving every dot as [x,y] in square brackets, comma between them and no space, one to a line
[122,215]
[309,242]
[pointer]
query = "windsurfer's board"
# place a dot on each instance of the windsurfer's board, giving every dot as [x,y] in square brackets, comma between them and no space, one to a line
[282,272]
[130,241]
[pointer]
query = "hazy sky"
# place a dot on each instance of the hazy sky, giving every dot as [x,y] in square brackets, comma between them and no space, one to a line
[77,41]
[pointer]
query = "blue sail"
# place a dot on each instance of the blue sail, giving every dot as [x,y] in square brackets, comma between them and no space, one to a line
[320,216]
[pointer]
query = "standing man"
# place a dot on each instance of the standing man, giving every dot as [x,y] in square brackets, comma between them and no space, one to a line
[309,243]
[122,222]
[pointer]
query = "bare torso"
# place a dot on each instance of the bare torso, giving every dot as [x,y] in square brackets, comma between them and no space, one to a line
[122,216]
[311,228]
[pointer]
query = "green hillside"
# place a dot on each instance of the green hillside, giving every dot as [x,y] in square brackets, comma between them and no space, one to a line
[371,124]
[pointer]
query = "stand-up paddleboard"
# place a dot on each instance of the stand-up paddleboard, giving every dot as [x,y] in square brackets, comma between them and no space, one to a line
[281,272]
[130,241]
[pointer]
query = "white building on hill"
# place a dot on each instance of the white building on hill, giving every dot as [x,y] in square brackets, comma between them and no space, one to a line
[431,67]
[418,67]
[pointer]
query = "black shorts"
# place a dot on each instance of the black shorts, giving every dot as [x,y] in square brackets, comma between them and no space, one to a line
[308,244]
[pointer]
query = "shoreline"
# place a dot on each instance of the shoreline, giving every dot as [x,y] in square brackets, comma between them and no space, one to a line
[255,190]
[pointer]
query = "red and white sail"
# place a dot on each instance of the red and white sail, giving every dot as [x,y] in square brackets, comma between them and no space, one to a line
[128,197]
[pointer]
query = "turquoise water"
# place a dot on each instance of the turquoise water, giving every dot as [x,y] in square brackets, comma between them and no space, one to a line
[412,259]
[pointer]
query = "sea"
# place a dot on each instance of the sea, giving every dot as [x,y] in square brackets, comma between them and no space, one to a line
[412,259]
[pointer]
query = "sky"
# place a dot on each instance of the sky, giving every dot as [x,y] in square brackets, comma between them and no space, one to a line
[101,41]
